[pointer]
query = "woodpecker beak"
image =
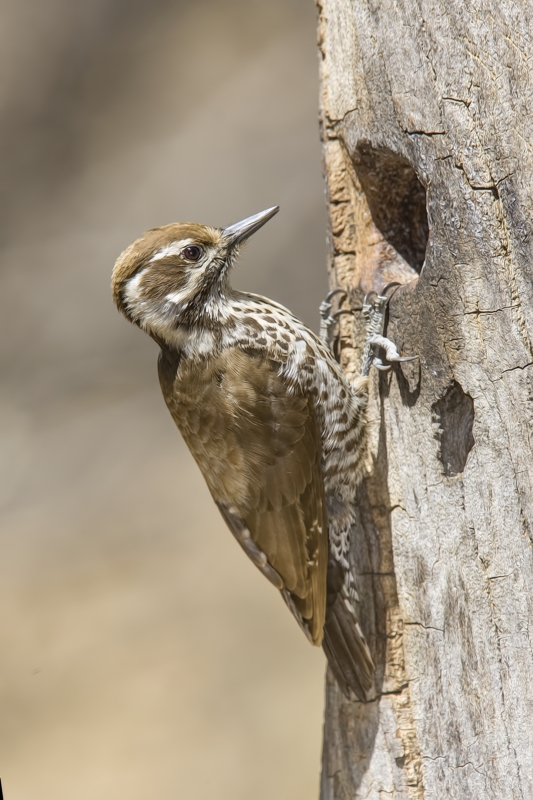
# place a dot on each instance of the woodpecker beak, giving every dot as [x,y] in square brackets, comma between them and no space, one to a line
[240,231]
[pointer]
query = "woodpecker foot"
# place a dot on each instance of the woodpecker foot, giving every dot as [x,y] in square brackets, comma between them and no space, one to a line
[328,320]
[374,311]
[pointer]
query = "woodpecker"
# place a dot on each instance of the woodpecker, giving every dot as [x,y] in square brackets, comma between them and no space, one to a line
[274,425]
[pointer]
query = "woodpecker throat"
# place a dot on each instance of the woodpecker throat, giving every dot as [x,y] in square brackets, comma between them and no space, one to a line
[275,427]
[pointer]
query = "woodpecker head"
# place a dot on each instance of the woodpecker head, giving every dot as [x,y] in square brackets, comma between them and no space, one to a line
[178,274]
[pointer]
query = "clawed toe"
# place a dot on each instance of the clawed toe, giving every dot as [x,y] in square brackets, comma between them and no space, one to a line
[329,320]
[389,347]
[378,363]
[374,311]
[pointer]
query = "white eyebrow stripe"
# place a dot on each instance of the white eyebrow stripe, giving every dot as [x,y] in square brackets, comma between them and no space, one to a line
[172,249]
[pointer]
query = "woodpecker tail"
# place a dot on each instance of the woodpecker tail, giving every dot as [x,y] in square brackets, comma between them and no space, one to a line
[344,643]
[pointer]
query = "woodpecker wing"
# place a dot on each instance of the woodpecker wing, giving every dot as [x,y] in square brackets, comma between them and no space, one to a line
[258,445]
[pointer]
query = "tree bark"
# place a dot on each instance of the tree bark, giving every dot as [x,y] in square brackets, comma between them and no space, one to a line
[427,131]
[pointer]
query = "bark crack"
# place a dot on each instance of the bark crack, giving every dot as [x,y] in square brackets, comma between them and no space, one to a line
[426,627]
[425,133]
[512,369]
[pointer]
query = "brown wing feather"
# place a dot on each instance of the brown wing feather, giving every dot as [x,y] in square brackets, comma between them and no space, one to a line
[258,446]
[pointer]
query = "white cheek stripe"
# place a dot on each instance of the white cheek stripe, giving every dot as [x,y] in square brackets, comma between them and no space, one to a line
[131,293]
[178,297]
[194,279]
[172,249]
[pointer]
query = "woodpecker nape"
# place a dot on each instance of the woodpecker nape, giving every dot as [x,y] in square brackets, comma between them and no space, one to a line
[272,421]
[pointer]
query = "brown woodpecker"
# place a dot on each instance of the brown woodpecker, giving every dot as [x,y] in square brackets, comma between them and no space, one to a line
[273,423]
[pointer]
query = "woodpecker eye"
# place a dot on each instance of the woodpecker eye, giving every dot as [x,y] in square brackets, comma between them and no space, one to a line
[192,252]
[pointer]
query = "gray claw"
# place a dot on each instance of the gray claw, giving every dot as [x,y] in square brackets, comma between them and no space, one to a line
[329,320]
[374,311]
[406,358]
[378,364]
[392,285]
[391,351]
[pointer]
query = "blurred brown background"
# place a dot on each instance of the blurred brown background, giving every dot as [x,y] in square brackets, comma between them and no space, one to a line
[141,654]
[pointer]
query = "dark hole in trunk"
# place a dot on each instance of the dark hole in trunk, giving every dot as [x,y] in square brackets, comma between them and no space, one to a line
[455,414]
[397,201]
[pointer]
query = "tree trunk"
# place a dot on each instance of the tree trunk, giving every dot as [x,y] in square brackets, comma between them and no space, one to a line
[427,104]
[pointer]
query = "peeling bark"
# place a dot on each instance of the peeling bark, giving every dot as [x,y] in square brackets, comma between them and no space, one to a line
[428,132]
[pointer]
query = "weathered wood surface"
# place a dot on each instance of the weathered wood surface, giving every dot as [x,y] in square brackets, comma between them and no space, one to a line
[443,546]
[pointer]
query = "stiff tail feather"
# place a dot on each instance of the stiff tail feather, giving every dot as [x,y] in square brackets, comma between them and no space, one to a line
[344,642]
